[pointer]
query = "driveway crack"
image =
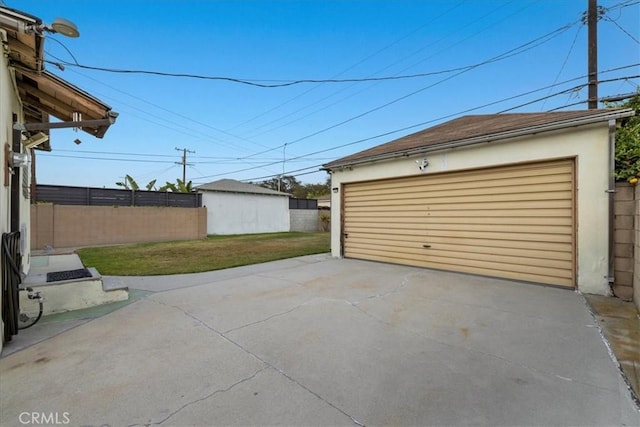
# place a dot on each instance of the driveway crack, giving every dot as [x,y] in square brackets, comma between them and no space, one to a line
[266,319]
[220,391]
[265,362]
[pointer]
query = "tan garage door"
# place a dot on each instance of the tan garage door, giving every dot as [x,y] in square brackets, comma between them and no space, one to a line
[514,222]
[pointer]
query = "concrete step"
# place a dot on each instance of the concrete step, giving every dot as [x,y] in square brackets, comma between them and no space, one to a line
[71,294]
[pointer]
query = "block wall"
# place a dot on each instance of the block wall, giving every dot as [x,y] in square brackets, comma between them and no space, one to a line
[625,240]
[66,226]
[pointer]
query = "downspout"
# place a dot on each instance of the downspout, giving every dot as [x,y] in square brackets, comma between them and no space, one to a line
[15,182]
[612,192]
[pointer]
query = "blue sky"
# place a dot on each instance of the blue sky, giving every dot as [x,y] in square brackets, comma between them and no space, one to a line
[246,132]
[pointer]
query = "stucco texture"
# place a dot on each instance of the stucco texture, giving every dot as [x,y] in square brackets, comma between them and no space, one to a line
[241,213]
[587,144]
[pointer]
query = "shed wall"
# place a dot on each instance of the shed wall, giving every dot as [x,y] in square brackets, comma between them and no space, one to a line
[237,213]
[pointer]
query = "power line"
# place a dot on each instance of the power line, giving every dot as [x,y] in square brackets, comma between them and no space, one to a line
[384,134]
[306,157]
[566,59]
[216,140]
[381,70]
[622,29]
[347,69]
[252,82]
[512,52]
[283,83]
[566,91]
[317,167]
[109,159]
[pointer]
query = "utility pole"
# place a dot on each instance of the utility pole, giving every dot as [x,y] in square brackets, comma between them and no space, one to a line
[184,162]
[593,14]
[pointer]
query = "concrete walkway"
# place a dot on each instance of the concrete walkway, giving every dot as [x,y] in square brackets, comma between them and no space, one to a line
[322,341]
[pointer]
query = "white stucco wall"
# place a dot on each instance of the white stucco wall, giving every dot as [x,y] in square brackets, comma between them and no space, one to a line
[588,144]
[239,213]
[9,105]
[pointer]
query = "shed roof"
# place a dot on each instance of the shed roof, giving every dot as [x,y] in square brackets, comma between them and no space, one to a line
[233,186]
[479,128]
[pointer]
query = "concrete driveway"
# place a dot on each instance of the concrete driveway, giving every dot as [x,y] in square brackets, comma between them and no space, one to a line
[322,341]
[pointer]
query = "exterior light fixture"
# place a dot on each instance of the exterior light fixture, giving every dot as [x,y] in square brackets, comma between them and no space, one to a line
[64,27]
[335,189]
[422,164]
[59,25]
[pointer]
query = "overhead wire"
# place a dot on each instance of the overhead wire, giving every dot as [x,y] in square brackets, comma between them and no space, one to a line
[621,29]
[430,121]
[620,5]
[194,133]
[252,82]
[566,58]
[384,134]
[448,47]
[361,61]
[512,52]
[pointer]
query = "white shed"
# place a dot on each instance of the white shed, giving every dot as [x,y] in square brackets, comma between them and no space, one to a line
[234,207]
[519,196]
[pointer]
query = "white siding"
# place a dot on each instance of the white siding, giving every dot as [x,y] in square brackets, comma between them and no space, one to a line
[237,213]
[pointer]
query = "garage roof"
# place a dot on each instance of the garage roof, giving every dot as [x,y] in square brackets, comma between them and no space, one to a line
[476,129]
[42,93]
[233,186]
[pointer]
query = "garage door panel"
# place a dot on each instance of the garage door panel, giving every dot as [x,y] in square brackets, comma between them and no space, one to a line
[388,217]
[513,222]
[542,250]
[483,235]
[470,197]
[474,179]
[552,248]
[489,205]
[564,221]
[522,187]
[452,254]
[418,225]
[517,271]
[491,235]
[419,210]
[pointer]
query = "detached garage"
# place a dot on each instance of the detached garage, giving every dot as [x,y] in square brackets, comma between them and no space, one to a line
[518,196]
[234,207]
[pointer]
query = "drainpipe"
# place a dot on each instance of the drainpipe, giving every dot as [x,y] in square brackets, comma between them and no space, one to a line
[612,191]
[15,183]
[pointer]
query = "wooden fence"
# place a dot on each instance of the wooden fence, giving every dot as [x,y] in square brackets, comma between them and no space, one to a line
[89,196]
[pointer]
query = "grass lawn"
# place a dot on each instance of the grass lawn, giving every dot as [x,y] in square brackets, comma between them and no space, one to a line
[193,256]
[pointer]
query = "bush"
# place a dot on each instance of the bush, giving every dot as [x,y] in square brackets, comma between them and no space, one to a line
[628,144]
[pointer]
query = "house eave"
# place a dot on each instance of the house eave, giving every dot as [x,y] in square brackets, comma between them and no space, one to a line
[531,130]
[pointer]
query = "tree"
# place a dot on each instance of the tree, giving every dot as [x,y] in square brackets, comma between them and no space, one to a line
[628,143]
[179,187]
[286,184]
[130,184]
[289,184]
[315,191]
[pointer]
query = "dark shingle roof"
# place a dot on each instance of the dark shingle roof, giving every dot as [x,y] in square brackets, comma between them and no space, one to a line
[233,186]
[480,127]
